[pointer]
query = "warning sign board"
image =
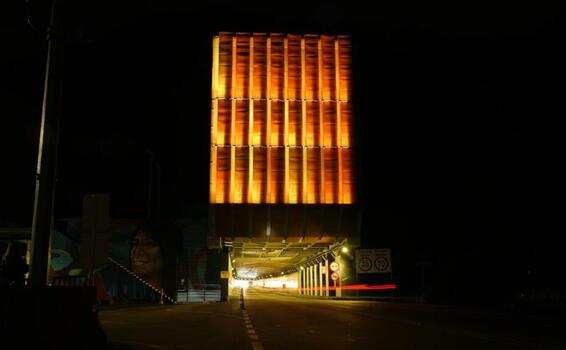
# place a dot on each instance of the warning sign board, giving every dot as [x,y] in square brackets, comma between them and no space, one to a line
[373,260]
[335,276]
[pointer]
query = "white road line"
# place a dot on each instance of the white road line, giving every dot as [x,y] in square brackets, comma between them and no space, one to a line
[256,344]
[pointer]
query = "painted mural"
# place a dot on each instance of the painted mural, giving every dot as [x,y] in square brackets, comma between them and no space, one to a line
[133,261]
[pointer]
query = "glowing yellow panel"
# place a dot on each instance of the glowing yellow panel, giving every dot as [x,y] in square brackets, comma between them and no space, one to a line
[281,119]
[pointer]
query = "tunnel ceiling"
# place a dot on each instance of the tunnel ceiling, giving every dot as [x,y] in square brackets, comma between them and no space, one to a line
[253,257]
[268,239]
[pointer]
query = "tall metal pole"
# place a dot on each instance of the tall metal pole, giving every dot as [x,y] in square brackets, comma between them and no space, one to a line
[45,178]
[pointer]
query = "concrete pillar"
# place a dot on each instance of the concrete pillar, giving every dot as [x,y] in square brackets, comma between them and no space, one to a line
[327,278]
[321,293]
[307,280]
[225,265]
[313,281]
[303,282]
[315,277]
[311,284]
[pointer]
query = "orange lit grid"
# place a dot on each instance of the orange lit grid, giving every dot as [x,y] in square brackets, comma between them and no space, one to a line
[281,129]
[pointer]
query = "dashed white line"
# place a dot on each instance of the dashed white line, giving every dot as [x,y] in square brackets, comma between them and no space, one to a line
[256,344]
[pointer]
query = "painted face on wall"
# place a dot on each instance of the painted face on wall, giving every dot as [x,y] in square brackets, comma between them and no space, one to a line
[146,257]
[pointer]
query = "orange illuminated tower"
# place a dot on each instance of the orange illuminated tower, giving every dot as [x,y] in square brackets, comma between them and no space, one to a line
[281,121]
[282,174]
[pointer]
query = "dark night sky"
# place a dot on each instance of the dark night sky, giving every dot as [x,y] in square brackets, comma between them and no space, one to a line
[460,111]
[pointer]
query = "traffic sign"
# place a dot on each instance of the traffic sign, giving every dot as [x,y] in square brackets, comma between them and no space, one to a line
[334,266]
[381,264]
[365,264]
[335,276]
[373,260]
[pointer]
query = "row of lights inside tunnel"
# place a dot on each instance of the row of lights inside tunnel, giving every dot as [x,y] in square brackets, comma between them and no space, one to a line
[344,249]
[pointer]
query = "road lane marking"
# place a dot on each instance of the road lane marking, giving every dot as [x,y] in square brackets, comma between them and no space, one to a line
[256,344]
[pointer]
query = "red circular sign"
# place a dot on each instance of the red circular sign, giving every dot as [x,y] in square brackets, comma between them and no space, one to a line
[334,266]
[335,276]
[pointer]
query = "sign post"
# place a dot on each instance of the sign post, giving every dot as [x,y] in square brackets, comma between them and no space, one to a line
[335,276]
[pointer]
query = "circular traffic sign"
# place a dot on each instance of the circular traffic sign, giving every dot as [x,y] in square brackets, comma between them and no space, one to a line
[381,264]
[365,263]
[335,276]
[334,266]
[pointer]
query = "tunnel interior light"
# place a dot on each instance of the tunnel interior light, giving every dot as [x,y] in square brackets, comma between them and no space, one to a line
[344,249]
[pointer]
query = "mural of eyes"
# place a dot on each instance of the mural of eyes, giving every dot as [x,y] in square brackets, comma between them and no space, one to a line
[60,259]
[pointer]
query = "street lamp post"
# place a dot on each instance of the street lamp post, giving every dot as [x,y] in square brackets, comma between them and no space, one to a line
[45,178]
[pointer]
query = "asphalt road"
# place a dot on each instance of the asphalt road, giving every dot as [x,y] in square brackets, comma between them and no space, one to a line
[276,321]
[185,326]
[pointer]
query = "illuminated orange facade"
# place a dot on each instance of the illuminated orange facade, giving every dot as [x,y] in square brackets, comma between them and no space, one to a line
[281,129]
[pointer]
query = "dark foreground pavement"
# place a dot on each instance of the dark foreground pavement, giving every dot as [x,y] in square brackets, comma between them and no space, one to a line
[275,321]
[186,326]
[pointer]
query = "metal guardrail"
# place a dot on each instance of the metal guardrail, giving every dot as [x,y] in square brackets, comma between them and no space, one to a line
[69,281]
[204,293]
